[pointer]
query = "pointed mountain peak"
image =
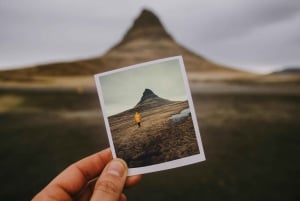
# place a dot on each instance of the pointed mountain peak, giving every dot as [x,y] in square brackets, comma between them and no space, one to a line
[146,25]
[150,100]
[147,94]
[147,18]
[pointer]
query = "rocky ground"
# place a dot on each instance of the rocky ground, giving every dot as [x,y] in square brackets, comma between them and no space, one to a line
[159,139]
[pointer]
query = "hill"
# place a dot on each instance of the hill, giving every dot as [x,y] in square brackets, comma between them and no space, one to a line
[160,138]
[146,40]
[290,70]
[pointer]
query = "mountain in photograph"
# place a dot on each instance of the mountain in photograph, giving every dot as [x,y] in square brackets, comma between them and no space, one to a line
[150,100]
[164,134]
[146,40]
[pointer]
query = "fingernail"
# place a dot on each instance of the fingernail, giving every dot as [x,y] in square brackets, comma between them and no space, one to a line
[116,168]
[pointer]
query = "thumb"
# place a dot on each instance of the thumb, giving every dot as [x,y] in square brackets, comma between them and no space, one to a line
[110,184]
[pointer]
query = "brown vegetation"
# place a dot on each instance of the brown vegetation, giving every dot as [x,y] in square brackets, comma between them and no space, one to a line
[250,139]
[158,140]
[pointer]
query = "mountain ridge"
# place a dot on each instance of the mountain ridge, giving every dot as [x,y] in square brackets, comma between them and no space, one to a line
[146,25]
[148,100]
[147,94]
[288,70]
[145,40]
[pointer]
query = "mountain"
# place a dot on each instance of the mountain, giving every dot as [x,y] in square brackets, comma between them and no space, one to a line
[147,94]
[146,40]
[159,138]
[147,25]
[290,70]
[150,100]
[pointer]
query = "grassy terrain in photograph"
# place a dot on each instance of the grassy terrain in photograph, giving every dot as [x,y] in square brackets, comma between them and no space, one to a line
[159,139]
[251,143]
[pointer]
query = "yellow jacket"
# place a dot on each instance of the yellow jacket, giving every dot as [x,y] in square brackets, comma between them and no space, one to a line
[137,117]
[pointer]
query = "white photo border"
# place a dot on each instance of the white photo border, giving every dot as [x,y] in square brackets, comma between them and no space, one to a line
[165,165]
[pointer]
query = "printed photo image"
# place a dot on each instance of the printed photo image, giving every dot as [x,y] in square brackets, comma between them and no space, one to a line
[149,115]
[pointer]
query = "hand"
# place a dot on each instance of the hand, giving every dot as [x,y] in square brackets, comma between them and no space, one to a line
[79,181]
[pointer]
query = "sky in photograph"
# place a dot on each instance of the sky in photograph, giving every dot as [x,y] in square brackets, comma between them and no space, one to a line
[258,36]
[123,90]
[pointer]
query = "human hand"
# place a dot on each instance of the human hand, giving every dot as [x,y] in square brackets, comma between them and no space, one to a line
[79,181]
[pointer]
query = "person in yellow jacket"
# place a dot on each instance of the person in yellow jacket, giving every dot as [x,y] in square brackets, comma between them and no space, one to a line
[138,118]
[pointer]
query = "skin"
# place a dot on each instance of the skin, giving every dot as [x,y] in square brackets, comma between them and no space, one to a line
[81,180]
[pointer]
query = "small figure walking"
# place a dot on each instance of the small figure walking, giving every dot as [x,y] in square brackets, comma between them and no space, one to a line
[138,118]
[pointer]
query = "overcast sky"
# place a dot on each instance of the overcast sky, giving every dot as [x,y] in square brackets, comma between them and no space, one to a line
[255,35]
[124,89]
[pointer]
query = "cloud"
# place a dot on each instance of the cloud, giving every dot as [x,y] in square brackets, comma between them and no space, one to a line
[246,35]
[212,21]
[123,89]
[239,33]
[274,45]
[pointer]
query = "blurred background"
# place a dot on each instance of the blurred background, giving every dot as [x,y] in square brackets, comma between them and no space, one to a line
[242,61]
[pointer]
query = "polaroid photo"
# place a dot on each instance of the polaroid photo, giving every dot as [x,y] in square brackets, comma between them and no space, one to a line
[149,115]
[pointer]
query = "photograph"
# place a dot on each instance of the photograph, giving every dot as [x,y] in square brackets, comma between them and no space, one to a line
[149,115]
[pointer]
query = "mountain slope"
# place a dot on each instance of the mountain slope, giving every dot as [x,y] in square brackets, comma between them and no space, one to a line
[149,100]
[146,40]
[159,139]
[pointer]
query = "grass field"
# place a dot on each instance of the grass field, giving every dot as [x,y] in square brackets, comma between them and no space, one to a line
[251,144]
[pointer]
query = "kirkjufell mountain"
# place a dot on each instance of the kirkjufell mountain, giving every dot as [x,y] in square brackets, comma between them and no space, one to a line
[159,138]
[148,94]
[146,40]
[148,100]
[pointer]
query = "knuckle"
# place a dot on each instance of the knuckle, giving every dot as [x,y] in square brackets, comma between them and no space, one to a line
[107,186]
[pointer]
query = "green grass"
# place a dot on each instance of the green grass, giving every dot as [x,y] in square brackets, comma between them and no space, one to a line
[251,145]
